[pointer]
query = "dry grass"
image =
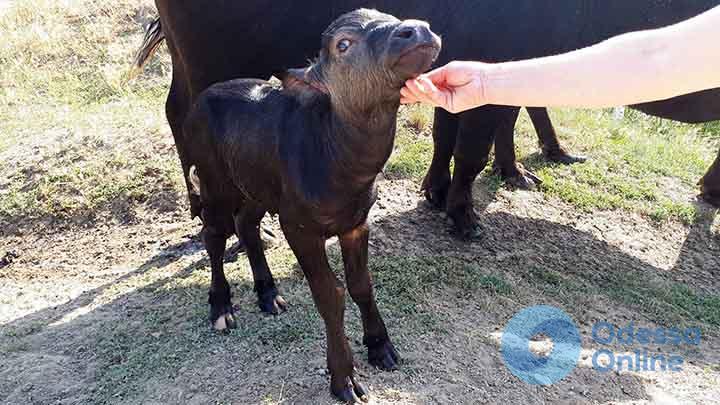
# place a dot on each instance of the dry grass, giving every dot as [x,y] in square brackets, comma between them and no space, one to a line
[75,139]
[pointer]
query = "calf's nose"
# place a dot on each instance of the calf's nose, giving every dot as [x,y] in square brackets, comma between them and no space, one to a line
[414,31]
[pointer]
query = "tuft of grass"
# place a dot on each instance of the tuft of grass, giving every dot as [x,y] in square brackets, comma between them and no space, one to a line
[667,301]
[411,158]
[492,283]
[404,277]
[419,118]
[73,186]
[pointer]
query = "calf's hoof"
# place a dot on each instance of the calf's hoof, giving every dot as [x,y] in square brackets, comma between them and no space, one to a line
[271,303]
[562,157]
[350,391]
[222,319]
[383,355]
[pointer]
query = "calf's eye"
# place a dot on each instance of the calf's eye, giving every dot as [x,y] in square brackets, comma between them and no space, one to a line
[343,45]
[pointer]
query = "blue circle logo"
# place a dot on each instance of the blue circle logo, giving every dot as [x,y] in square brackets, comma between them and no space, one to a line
[541,320]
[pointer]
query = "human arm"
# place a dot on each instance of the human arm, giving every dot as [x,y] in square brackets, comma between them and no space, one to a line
[629,69]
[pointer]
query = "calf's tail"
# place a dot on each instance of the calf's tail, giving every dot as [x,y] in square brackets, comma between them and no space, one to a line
[194,181]
[154,37]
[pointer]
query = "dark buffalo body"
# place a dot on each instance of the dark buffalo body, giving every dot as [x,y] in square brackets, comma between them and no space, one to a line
[213,41]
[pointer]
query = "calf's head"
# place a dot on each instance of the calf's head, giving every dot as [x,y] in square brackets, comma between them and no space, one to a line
[365,59]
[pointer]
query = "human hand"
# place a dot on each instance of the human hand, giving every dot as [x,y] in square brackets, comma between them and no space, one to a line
[456,87]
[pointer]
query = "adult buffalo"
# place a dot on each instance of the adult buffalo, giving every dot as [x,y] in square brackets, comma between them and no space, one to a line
[216,40]
[275,38]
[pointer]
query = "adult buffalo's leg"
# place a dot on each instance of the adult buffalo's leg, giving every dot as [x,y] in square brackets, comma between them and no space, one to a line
[329,296]
[437,180]
[549,143]
[710,184]
[214,236]
[176,109]
[476,134]
[381,352]
[505,160]
[247,226]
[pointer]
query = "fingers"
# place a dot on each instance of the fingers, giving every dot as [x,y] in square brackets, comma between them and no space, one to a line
[424,91]
[406,97]
[411,93]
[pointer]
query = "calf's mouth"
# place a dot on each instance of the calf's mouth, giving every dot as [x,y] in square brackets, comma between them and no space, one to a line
[418,58]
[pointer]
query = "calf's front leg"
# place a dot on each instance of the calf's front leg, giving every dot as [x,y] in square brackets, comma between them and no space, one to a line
[248,227]
[381,352]
[329,296]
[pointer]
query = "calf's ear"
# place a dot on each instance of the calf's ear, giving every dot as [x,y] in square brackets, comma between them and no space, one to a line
[303,82]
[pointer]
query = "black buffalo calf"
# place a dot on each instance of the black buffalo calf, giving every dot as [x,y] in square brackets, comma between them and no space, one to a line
[310,151]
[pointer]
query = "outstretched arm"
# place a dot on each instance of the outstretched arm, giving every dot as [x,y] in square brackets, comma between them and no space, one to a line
[629,69]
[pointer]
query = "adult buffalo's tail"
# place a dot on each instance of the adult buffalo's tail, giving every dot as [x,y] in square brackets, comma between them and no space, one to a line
[154,36]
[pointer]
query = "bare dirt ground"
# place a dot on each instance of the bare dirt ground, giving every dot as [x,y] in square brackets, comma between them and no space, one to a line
[115,313]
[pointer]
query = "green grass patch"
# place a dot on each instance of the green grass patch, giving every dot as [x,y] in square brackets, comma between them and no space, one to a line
[413,144]
[668,301]
[665,302]
[639,164]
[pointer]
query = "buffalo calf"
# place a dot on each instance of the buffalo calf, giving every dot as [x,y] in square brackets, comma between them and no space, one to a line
[310,151]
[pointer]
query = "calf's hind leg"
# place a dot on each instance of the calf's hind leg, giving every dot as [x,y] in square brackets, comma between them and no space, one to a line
[215,236]
[247,226]
[329,296]
[381,352]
